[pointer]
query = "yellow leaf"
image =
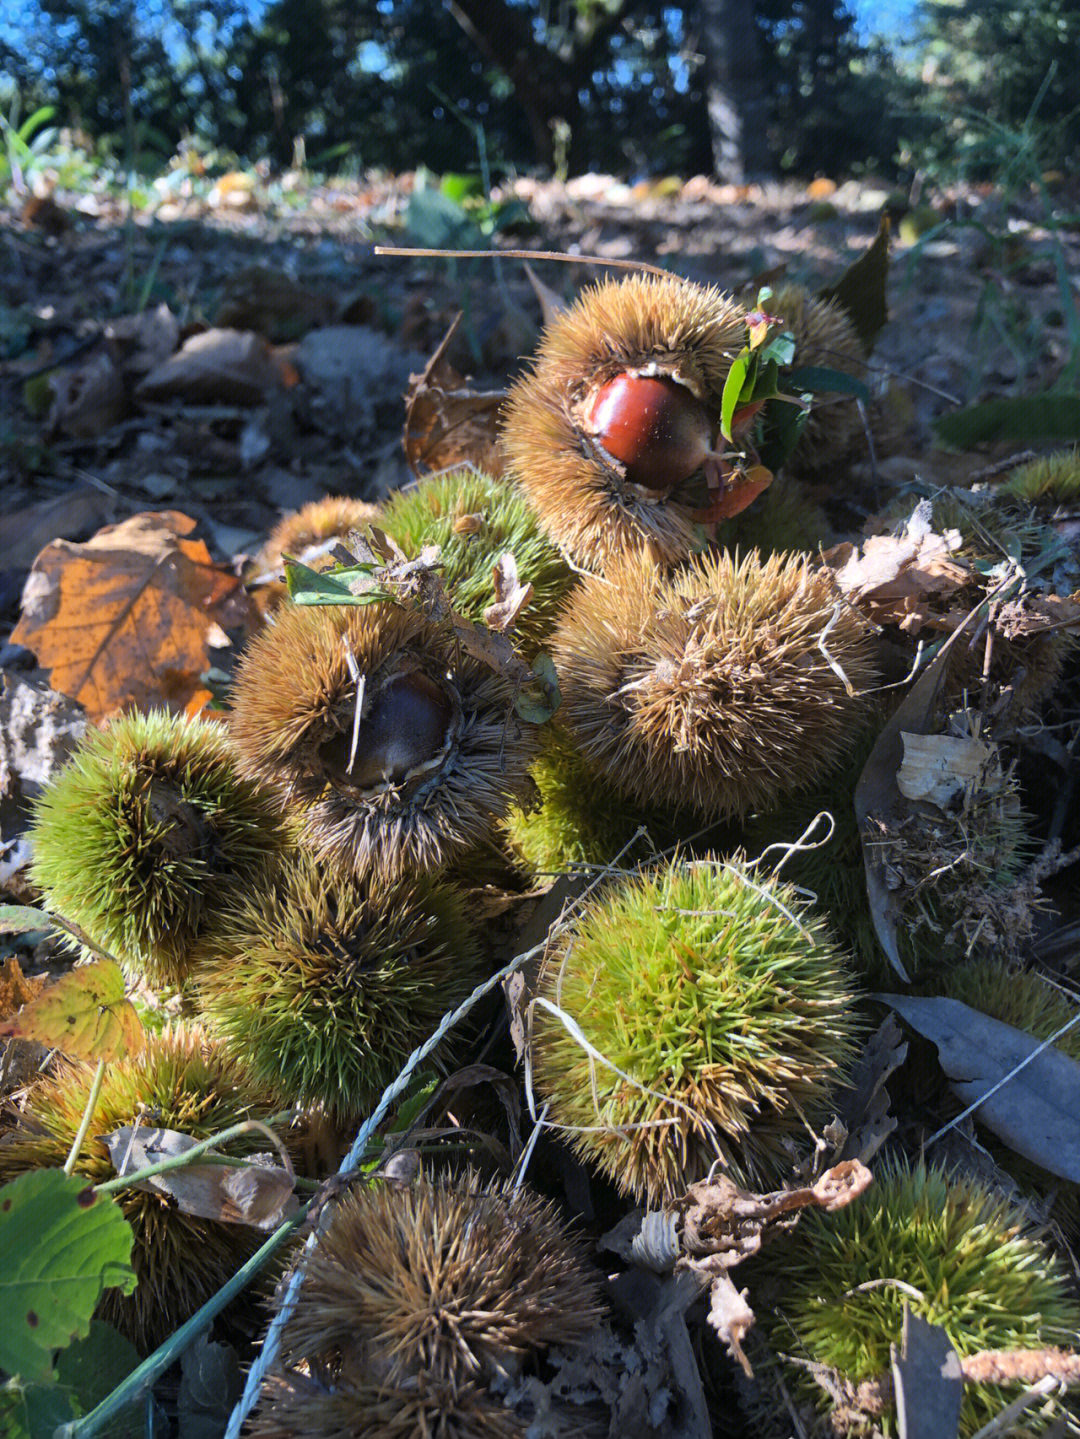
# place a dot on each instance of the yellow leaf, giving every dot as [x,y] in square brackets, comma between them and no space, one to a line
[85,1014]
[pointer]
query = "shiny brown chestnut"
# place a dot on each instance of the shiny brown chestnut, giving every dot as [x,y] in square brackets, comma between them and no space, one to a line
[408,725]
[654,426]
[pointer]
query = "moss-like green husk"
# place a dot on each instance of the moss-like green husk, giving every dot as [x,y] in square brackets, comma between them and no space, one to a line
[145,832]
[978,1269]
[725,1001]
[320,986]
[178,1082]
[1050,479]
[474,519]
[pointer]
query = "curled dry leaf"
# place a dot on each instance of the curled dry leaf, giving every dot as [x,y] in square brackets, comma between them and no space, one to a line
[446,422]
[230,367]
[893,578]
[86,1014]
[865,1112]
[939,767]
[16,989]
[128,617]
[511,596]
[1037,614]
[88,398]
[249,1193]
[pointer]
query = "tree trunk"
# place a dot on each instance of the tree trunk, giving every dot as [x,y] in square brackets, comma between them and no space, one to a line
[736,90]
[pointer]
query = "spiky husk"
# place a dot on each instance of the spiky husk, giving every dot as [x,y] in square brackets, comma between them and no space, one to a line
[577,819]
[327,1404]
[320,986]
[782,520]
[725,1001]
[708,690]
[146,831]
[330,518]
[474,519]
[972,1260]
[179,1082]
[447,1278]
[1050,479]
[824,338]
[644,323]
[295,695]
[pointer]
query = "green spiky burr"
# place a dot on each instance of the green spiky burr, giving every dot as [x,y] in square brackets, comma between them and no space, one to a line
[725,1015]
[1049,480]
[180,1082]
[145,832]
[474,519]
[953,1251]
[320,986]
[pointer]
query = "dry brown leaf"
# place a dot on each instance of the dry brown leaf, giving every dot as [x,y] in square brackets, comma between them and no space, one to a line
[15,988]
[126,618]
[271,302]
[85,1014]
[88,398]
[865,1112]
[939,767]
[141,342]
[1035,614]
[446,422]
[893,576]
[24,532]
[243,1193]
[511,596]
[218,367]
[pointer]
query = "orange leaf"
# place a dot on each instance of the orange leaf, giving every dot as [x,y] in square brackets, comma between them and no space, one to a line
[15,988]
[85,1014]
[126,618]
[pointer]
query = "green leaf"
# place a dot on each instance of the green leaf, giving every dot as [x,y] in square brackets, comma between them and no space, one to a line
[329,587]
[539,702]
[61,1245]
[784,424]
[733,388]
[861,289]
[461,187]
[819,380]
[1020,420]
[22,919]
[32,1411]
[91,1368]
[439,223]
[780,348]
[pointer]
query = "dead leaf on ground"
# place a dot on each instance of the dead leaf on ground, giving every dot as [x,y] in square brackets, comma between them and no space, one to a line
[894,576]
[128,617]
[25,532]
[446,422]
[865,1112]
[217,367]
[937,768]
[15,988]
[88,398]
[928,1383]
[259,1194]
[141,342]
[1037,614]
[273,303]
[552,305]
[1036,1112]
[85,1014]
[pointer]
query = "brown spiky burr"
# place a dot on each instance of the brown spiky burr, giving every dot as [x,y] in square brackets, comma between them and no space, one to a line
[717,689]
[610,433]
[439,752]
[308,534]
[824,339]
[451,1279]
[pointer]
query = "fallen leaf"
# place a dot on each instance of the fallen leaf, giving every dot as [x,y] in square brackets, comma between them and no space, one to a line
[88,398]
[865,1111]
[85,1014]
[446,422]
[928,1383]
[861,289]
[15,988]
[26,531]
[937,768]
[230,367]
[1036,614]
[1035,1112]
[242,1193]
[141,342]
[126,618]
[893,576]
[273,303]
[511,596]
[551,304]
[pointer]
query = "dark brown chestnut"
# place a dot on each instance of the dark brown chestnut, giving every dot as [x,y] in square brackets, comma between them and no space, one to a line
[407,725]
[653,425]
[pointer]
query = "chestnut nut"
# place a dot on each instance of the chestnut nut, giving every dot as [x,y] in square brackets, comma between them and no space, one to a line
[659,431]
